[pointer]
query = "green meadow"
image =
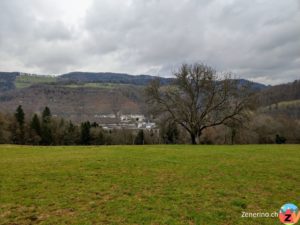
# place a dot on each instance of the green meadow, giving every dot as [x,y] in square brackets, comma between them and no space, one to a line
[97,85]
[158,184]
[25,81]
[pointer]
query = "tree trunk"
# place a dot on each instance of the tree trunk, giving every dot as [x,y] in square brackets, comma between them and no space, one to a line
[193,139]
[198,137]
[233,133]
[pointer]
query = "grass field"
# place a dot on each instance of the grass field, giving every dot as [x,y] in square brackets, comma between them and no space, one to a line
[178,184]
[282,105]
[97,85]
[25,81]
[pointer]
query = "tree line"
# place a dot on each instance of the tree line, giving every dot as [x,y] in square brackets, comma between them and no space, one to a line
[45,129]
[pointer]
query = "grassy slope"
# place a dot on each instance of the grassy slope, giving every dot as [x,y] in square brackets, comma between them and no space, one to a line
[25,81]
[146,184]
[97,85]
[283,105]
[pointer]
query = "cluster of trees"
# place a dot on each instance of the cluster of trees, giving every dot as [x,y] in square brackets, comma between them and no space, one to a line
[45,129]
[204,108]
[259,128]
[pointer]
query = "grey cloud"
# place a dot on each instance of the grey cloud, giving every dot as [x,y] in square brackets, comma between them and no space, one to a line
[54,57]
[252,38]
[256,39]
[34,42]
[53,31]
[151,33]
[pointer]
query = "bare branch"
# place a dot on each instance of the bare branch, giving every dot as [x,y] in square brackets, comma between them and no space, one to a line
[199,99]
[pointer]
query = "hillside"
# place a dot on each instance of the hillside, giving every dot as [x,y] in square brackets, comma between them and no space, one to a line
[76,96]
[82,96]
[77,104]
[281,100]
[290,109]
[280,93]
[7,81]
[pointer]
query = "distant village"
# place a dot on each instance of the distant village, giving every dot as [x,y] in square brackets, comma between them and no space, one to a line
[124,121]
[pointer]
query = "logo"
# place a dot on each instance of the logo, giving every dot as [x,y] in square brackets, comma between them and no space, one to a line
[289,214]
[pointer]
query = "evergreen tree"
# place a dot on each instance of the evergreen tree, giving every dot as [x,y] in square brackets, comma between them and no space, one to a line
[46,135]
[46,115]
[35,130]
[85,133]
[20,118]
[35,124]
[71,136]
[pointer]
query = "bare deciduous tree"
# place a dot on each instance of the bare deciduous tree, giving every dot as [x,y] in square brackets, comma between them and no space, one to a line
[199,99]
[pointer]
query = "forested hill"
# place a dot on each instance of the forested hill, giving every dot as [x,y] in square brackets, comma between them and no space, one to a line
[281,92]
[122,78]
[119,78]
[9,81]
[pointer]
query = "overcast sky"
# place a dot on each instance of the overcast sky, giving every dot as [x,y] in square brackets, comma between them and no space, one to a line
[257,39]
